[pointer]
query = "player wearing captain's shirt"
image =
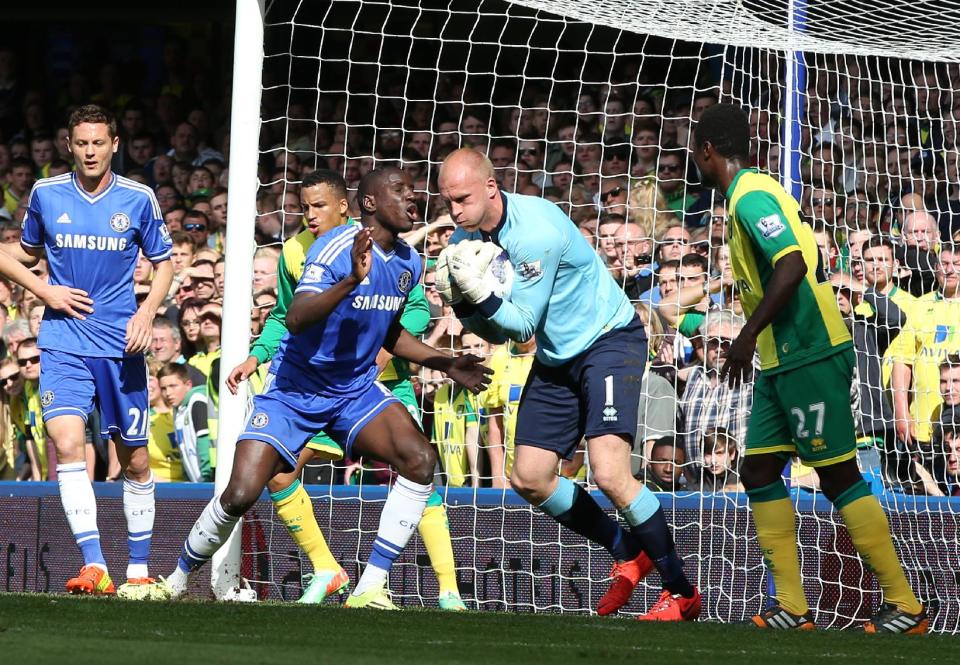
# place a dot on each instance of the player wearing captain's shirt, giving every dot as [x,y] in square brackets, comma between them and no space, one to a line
[346,308]
[585,378]
[801,403]
[92,224]
[323,199]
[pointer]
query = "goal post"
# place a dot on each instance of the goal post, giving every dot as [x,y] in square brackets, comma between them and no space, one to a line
[238,275]
[852,105]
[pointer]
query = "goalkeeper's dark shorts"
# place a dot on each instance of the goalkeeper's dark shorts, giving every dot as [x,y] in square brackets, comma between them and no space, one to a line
[805,412]
[595,393]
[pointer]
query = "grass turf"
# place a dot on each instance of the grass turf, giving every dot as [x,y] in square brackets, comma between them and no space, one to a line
[41,629]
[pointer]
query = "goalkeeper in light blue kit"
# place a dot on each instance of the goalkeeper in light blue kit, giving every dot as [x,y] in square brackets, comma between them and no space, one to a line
[585,380]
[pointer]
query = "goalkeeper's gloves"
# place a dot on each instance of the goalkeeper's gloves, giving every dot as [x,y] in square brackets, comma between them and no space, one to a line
[448,290]
[468,266]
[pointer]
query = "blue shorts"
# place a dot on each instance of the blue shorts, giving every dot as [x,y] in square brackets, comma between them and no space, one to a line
[595,393]
[75,385]
[287,419]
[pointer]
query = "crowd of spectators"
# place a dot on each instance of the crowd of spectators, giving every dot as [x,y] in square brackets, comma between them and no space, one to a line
[878,182]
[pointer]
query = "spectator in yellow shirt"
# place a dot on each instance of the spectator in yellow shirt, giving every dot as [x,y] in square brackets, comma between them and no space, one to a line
[456,422]
[162,445]
[931,334]
[27,415]
[510,364]
[10,439]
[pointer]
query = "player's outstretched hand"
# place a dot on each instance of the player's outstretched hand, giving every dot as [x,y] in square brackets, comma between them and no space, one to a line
[68,300]
[240,373]
[739,363]
[447,289]
[468,370]
[362,254]
[139,332]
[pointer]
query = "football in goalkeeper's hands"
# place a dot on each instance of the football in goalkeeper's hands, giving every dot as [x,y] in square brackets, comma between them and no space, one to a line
[477,269]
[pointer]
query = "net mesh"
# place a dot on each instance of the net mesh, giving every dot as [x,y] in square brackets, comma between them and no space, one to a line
[592,107]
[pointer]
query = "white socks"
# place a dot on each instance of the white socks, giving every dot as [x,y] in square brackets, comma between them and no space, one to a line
[80,506]
[139,509]
[399,519]
[208,534]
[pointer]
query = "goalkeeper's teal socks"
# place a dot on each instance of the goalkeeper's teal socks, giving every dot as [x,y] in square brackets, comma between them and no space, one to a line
[648,525]
[576,509]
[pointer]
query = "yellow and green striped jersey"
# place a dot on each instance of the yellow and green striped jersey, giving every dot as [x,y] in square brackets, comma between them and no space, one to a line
[765,225]
[455,409]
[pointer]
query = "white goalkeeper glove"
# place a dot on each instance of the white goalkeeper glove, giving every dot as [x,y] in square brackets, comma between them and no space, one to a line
[448,290]
[468,267]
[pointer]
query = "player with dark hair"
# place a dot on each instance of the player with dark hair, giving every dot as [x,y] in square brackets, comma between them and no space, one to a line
[585,379]
[93,224]
[347,307]
[323,198]
[801,403]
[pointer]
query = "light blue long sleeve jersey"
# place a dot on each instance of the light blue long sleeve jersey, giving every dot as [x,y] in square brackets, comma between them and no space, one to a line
[562,292]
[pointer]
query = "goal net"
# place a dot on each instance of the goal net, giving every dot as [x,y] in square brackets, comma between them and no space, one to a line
[592,105]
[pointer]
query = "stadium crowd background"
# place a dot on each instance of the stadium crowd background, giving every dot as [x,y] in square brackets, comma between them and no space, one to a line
[880,187]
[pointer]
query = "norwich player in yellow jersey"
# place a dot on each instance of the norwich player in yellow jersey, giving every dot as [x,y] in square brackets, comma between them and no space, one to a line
[801,403]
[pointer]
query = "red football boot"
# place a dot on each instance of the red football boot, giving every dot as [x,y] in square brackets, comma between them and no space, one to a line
[625,578]
[674,607]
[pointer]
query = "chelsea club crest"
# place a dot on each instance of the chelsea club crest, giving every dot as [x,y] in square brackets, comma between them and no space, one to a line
[403,282]
[260,420]
[46,399]
[119,222]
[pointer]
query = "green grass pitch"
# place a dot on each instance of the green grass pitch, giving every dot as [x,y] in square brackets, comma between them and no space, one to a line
[42,629]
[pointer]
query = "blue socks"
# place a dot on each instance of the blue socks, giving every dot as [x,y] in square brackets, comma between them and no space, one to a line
[649,526]
[575,509]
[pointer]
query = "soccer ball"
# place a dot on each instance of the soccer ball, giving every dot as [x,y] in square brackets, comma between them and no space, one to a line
[499,275]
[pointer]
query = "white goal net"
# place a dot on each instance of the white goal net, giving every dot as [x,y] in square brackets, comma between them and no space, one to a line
[592,105]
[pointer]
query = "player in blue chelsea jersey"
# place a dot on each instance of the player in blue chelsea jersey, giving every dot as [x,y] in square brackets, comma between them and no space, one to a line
[345,308]
[585,378]
[92,225]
